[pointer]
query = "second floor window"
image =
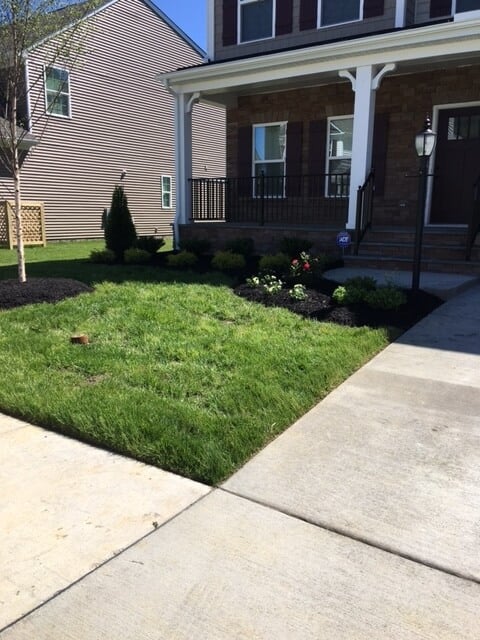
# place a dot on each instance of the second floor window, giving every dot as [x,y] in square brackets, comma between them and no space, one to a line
[57,92]
[255,19]
[467,5]
[335,12]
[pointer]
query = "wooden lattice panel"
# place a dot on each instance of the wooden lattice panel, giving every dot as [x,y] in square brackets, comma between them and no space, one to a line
[4,235]
[33,222]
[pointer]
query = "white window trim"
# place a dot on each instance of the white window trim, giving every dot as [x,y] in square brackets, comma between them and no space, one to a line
[327,153]
[241,3]
[163,192]
[254,162]
[334,24]
[50,113]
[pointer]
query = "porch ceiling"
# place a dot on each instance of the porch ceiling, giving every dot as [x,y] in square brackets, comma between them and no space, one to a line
[412,50]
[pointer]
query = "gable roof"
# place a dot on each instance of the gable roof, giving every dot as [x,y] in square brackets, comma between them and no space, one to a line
[71,14]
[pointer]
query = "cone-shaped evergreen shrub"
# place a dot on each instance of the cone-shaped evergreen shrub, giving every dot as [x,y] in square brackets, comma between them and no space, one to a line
[120,231]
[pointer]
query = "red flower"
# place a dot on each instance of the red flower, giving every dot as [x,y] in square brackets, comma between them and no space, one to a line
[306,266]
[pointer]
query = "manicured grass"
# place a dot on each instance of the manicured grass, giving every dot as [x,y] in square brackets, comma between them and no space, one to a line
[180,372]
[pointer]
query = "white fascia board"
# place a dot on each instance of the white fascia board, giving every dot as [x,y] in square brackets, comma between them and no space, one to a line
[431,42]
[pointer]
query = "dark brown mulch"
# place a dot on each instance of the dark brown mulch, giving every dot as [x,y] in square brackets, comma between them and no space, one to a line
[16,294]
[319,306]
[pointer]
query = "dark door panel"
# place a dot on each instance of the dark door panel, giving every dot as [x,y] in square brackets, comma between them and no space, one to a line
[457,165]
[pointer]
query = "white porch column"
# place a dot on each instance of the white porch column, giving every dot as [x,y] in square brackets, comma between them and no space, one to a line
[364,83]
[183,158]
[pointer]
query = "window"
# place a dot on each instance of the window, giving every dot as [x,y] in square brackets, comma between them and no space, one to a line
[166,186]
[57,92]
[335,12]
[464,127]
[467,5]
[269,149]
[339,160]
[255,19]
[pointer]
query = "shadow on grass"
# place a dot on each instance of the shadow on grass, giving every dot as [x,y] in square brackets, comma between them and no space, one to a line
[91,274]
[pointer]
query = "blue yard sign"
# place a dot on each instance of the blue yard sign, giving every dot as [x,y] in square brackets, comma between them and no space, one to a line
[344,239]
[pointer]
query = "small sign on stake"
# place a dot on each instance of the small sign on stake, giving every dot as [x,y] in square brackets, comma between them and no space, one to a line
[344,240]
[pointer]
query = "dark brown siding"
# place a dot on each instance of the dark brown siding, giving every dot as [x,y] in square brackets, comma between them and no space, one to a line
[379,16]
[122,118]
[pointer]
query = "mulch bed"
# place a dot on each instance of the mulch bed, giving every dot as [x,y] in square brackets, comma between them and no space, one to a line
[319,306]
[16,294]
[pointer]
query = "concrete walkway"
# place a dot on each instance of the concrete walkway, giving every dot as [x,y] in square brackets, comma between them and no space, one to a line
[362,521]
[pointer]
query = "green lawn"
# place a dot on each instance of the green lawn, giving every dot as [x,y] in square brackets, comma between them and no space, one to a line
[180,372]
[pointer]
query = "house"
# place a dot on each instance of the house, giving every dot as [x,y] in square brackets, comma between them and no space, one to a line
[107,114]
[323,101]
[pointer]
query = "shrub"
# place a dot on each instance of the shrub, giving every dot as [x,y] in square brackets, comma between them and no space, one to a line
[279,264]
[243,246]
[293,247]
[102,256]
[150,244]
[120,231]
[228,261]
[366,283]
[271,284]
[386,298]
[355,290]
[182,260]
[136,256]
[340,295]
[198,246]
[298,292]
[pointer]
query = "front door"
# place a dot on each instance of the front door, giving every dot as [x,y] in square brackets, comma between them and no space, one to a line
[457,165]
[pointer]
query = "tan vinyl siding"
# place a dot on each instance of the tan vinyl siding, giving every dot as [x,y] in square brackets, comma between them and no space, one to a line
[122,118]
[297,37]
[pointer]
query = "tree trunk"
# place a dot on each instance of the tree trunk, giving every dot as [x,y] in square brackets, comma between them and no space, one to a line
[22,276]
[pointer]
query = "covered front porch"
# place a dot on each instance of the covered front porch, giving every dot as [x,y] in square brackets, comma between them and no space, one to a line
[344,117]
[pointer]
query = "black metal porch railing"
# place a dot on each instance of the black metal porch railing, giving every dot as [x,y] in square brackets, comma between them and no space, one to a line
[474,224]
[320,199]
[364,210]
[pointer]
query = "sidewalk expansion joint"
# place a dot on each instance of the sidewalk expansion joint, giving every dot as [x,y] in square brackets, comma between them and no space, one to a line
[344,533]
[100,565]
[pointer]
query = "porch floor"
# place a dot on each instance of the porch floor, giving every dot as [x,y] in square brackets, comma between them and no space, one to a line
[443,285]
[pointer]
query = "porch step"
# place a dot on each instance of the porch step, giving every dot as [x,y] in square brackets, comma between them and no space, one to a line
[439,235]
[443,250]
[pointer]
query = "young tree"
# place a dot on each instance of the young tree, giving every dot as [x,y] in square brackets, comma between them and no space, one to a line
[58,34]
[120,231]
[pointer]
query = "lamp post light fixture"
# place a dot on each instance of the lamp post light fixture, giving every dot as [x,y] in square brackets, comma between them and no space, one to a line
[424,146]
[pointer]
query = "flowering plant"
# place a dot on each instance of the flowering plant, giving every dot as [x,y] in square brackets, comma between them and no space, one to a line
[269,283]
[303,264]
[298,292]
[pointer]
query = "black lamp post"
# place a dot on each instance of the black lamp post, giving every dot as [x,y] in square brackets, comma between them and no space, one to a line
[424,146]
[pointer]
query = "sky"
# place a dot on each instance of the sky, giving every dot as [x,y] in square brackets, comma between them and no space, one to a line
[189,15]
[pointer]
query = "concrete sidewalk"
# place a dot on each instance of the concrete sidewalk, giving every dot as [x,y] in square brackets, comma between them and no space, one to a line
[360,522]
